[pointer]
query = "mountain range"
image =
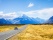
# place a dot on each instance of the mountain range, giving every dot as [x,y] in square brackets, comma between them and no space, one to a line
[27,20]
[24,19]
[3,21]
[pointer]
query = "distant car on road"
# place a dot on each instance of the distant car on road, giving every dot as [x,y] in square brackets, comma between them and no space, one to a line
[15,28]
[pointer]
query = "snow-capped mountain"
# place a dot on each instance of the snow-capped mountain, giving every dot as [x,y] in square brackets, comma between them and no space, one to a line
[26,20]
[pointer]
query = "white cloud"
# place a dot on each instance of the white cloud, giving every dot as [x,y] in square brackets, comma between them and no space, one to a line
[43,14]
[8,15]
[30,5]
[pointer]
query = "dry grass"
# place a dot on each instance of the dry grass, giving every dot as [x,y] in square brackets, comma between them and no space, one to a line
[35,32]
[8,27]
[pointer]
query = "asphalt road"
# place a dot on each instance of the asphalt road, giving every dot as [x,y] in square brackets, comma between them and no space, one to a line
[8,34]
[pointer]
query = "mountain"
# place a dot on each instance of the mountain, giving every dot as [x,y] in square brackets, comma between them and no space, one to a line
[26,20]
[3,21]
[50,20]
[40,20]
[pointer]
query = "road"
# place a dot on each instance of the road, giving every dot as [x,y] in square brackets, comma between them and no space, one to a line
[8,34]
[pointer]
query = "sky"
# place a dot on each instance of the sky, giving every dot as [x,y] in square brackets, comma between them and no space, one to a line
[10,9]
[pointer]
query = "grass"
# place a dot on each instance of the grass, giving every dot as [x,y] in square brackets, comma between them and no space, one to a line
[35,32]
[4,28]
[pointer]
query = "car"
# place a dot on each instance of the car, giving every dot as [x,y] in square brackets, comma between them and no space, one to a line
[15,28]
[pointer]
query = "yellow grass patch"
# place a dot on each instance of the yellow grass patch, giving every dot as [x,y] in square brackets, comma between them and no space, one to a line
[35,32]
[4,28]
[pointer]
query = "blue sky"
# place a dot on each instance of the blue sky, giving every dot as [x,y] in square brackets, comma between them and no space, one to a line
[33,8]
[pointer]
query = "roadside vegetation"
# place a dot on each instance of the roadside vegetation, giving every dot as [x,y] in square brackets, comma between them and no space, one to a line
[35,32]
[4,28]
